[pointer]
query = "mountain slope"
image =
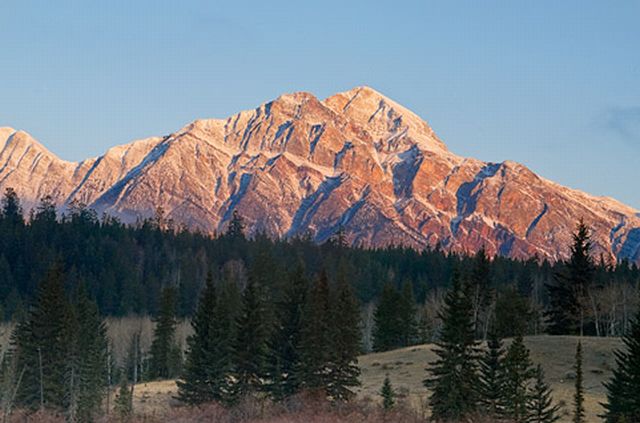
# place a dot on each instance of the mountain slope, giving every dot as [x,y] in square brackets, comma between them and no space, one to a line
[298,165]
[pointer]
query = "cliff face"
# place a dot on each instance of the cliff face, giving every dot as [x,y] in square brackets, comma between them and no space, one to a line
[299,165]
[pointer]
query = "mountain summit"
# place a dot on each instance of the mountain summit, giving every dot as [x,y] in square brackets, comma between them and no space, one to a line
[302,166]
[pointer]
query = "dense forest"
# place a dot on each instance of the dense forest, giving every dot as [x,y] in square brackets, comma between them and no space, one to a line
[125,267]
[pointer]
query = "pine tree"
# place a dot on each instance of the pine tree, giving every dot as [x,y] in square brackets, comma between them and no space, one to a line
[623,401]
[236,226]
[42,343]
[408,312]
[567,293]
[578,398]
[316,337]
[123,404]
[252,345]
[90,362]
[389,326]
[194,387]
[490,380]
[162,360]
[478,289]
[540,405]
[454,377]
[285,365]
[518,373]
[388,394]
[345,342]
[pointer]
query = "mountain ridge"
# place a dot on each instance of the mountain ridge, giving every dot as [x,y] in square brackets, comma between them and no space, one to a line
[294,165]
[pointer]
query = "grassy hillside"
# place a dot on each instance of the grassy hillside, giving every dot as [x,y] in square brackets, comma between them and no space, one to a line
[406,368]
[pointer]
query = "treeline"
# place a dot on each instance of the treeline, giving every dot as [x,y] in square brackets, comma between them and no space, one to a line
[125,267]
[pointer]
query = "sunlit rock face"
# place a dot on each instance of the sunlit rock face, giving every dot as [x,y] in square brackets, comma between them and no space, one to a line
[303,166]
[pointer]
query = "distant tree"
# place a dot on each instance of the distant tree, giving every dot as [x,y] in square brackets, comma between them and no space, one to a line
[540,405]
[479,290]
[512,313]
[164,354]
[89,360]
[518,372]
[252,344]
[199,372]
[388,320]
[315,345]
[623,401]
[491,377]
[566,314]
[388,394]
[42,343]
[236,226]
[345,342]
[285,365]
[11,208]
[578,398]
[453,376]
[408,312]
[123,404]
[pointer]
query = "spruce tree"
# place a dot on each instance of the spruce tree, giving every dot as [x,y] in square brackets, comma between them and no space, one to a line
[285,367]
[478,287]
[163,358]
[578,398]
[43,342]
[540,405]
[408,312]
[123,404]
[252,345]
[490,380]
[194,387]
[567,293]
[453,376]
[90,364]
[388,394]
[345,342]
[518,372]
[315,350]
[623,401]
[388,320]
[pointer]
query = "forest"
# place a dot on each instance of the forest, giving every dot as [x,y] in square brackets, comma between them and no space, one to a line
[276,318]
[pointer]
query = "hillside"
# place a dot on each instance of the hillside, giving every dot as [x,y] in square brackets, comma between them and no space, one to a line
[299,165]
[406,369]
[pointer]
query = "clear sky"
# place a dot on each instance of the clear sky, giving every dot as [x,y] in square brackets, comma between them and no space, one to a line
[552,84]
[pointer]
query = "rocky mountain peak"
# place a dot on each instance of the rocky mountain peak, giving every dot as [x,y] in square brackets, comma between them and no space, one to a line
[298,165]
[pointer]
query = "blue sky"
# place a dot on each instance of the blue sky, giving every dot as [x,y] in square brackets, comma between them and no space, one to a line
[552,84]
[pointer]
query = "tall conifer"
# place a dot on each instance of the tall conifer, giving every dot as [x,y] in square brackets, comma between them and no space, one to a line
[453,376]
[578,398]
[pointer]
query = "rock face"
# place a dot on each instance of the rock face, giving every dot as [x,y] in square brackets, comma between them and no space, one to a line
[298,165]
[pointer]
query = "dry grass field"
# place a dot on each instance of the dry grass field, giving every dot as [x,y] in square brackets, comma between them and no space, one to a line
[406,369]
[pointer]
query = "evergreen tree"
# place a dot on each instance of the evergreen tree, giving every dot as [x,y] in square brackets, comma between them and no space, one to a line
[518,372]
[578,398]
[198,375]
[345,342]
[623,401]
[252,345]
[42,343]
[388,394]
[490,380]
[454,377]
[90,358]
[285,365]
[540,406]
[388,320]
[408,312]
[11,209]
[315,350]
[163,360]
[123,404]
[236,226]
[567,293]
[478,289]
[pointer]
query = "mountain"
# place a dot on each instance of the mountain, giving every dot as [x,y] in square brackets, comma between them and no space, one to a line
[303,166]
